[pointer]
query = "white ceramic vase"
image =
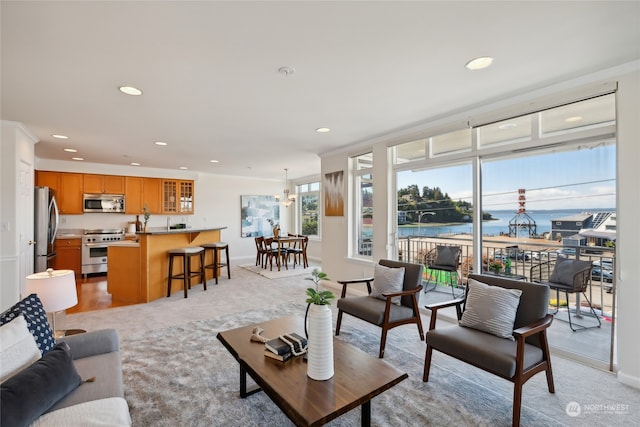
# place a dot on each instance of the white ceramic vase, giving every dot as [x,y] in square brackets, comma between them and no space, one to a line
[320,341]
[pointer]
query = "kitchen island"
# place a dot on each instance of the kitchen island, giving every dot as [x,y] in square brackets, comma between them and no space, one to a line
[150,255]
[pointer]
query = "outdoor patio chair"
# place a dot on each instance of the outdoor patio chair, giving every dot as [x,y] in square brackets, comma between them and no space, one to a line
[502,331]
[391,300]
[444,268]
[570,276]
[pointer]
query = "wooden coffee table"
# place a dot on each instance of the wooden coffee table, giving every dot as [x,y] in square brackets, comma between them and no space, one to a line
[358,377]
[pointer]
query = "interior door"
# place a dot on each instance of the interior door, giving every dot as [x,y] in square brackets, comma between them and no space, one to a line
[24,221]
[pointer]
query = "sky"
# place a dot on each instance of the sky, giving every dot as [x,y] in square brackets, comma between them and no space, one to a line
[577,179]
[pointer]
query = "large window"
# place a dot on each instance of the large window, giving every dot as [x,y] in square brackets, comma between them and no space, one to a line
[309,196]
[363,203]
[545,184]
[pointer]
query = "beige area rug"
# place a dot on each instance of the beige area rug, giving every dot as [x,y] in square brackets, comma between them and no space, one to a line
[275,274]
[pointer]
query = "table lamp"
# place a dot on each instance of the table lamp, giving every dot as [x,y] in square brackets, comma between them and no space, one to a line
[57,291]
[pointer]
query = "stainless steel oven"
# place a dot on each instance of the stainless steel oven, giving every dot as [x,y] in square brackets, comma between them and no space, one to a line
[94,248]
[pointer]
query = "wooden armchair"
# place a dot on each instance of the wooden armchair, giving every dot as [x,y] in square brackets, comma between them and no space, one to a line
[384,312]
[515,360]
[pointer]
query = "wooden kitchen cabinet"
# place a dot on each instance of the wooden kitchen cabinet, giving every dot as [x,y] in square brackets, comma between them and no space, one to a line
[177,196]
[68,255]
[67,187]
[141,192]
[103,184]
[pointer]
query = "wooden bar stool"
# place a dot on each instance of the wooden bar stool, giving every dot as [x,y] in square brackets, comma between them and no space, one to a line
[217,248]
[186,275]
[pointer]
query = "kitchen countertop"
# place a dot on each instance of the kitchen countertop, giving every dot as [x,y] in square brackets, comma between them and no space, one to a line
[69,233]
[163,230]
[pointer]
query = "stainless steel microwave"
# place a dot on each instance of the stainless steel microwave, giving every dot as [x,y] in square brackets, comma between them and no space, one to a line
[110,203]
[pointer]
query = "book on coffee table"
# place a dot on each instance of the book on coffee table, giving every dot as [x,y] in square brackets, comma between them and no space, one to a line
[282,358]
[280,347]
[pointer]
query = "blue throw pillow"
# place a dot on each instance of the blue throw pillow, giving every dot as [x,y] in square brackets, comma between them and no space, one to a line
[37,322]
[32,391]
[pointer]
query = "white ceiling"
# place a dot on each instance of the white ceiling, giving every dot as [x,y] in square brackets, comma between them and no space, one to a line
[212,90]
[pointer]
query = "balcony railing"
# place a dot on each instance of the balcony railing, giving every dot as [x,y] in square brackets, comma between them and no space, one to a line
[522,256]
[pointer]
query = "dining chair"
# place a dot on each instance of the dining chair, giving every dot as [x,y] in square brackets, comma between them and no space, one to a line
[272,252]
[300,253]
[260,251]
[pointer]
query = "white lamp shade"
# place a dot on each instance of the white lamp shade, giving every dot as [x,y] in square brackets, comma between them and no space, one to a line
[55,288]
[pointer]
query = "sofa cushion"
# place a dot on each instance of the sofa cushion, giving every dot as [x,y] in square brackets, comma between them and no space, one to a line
[491,309]
[18,349]
[565,269]
[33,312]
[112,412]
[32,391]
[107,370]
[387,280]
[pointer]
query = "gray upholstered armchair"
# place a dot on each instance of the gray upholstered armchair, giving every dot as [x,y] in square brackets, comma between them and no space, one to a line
[502,331]
[384,306]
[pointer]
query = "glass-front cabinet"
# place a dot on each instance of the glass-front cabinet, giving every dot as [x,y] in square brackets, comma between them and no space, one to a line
[177,196]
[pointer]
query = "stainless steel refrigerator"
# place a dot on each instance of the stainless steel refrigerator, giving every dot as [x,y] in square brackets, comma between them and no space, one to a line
[46,226]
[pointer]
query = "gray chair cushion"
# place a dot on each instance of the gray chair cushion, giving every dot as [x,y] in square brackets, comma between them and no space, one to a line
[447,256]
[565,270]
[372,309]
[481,349]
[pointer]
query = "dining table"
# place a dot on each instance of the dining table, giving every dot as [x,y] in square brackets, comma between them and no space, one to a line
[283,242]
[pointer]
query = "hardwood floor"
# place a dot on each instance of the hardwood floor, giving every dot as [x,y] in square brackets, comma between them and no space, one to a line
[93,295]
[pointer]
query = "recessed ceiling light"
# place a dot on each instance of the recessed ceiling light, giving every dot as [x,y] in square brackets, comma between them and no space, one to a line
[77,158]
[135,164]
[56,135]
[183,167]
[479,63]
[573,119]
[130,90]
[323,130]
[160,143]
[214,161]
[70,150]
[506,126]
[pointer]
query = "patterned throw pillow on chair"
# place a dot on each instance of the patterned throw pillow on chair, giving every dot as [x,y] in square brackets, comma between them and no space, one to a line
[491,309]
[387,280]
[33,312]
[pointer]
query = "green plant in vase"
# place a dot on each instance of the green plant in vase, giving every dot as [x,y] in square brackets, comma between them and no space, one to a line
[317,296]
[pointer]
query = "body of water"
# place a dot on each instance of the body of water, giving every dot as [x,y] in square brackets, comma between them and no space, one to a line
[500,224]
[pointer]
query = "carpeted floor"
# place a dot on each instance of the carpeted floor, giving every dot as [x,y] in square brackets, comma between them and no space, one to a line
[177,373]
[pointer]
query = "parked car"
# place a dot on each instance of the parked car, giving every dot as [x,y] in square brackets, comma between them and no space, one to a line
[606,264]
[566,251]
[601,274]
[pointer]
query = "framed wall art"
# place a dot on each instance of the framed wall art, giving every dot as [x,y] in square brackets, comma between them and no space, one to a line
[333,197]
[256,213]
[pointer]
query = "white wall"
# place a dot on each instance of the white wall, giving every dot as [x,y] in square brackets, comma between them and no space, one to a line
[336,235]
[217,203]
[628,244]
